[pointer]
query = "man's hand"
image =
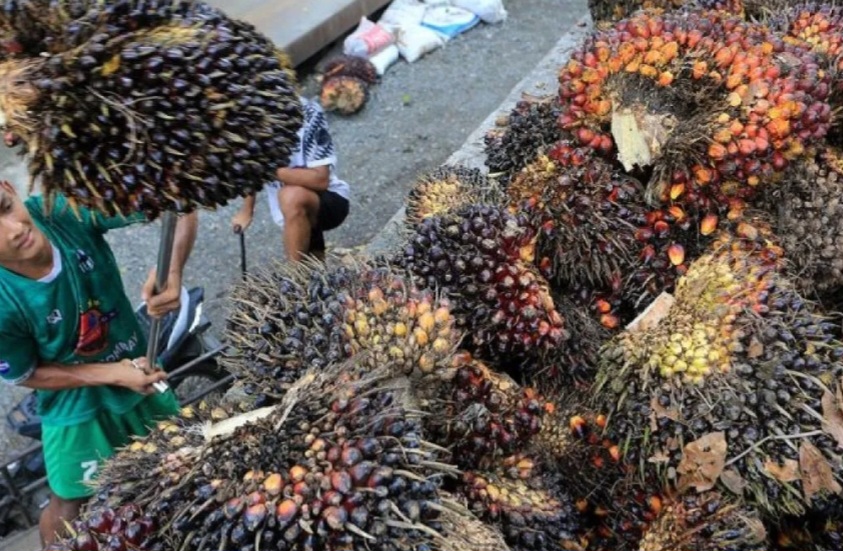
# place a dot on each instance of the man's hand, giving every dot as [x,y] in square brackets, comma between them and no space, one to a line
[137,375]
[165,301]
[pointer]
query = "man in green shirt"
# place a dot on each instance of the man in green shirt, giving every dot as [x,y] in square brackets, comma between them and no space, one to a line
[68,330]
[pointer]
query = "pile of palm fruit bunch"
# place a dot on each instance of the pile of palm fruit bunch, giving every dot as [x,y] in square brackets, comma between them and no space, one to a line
[287,319]
[340,463]
[345,83]
[129,105]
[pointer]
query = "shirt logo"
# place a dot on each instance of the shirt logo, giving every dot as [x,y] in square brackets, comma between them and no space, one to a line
[4,367]
[93,330]
[54,317]
[86,263]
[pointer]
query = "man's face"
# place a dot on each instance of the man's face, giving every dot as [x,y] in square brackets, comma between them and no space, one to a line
[20,239]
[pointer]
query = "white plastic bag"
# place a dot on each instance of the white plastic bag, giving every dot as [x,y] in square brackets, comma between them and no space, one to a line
[385,58]
[402,13]
[490,11]
[449,21]
[415,41]
[368,39]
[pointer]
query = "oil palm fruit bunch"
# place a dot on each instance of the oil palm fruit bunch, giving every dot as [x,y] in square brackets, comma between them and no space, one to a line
[734,375]
[339,464]
[168,118]
[614,509]
[817,27]
[480,415]
[344,93]
[287,319]
[701,98]
[529,513]
[612,251]
[706,522]
[518,137]
[481,257]
[30,27]
[579,355]
[808,217]
[447,188]
[613,10]
[353,66]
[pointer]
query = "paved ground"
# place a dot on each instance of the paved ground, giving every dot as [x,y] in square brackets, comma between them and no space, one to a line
[417,116]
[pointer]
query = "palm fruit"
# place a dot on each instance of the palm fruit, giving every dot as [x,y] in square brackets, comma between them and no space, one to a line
[481,258]
[733,377]
[287,319]
[808,218]
[352,66]
[527,512]
[520,136]
[698,98]
[610,250]
[447,188]
[340,463]
[168,118]
[344,94]
[480,415]
[706,522]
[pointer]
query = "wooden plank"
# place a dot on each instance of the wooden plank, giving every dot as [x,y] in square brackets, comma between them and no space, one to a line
[301,27]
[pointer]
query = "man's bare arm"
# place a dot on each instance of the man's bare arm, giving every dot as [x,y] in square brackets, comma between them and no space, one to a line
[122,373]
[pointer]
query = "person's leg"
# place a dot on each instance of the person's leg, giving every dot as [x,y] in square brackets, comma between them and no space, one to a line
[54,516]
[72,455]
[300,207]
[333,210]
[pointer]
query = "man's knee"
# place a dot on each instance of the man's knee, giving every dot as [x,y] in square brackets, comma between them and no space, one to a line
[66,508]
[297,201]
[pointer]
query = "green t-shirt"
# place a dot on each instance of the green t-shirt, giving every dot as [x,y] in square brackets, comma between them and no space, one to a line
[79,313]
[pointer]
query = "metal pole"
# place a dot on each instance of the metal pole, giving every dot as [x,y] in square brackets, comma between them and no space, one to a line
[242,253]
[165,253]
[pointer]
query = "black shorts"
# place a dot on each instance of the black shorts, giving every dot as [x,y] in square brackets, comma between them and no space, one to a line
[333,209]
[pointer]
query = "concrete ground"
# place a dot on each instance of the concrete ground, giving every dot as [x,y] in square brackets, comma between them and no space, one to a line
[418,115]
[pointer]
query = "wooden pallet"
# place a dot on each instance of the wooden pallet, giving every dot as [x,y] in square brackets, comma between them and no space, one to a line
[301,27]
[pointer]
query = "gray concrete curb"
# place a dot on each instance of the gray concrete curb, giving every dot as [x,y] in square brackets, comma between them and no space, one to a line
[540,82]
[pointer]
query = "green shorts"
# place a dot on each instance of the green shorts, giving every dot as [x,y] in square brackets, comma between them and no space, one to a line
[74,454]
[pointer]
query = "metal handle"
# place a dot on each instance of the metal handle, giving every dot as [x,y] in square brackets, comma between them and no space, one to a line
[165,253]
[243,254]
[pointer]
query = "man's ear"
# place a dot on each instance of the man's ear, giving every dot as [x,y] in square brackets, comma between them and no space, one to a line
[7,187]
